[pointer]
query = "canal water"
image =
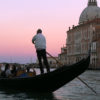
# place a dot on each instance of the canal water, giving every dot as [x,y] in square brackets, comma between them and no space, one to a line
[75,90]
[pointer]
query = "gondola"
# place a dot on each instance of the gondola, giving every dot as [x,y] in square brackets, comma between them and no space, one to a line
[47,82]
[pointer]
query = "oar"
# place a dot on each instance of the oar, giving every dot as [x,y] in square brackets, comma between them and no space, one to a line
[54,58]
[87,85]
[77,77]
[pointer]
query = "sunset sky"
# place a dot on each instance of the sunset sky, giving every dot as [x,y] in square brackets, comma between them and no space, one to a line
[20,19]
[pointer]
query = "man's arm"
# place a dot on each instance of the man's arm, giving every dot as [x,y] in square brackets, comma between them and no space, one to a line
[33,39]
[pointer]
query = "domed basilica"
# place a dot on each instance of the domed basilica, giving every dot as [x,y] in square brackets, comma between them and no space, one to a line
[80,37]
[91,12]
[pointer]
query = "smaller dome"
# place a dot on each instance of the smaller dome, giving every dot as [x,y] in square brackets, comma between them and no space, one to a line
[89,13]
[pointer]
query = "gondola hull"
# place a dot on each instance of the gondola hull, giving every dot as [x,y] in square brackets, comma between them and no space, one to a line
[48,82]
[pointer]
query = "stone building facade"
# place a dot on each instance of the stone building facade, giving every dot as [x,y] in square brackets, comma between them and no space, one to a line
[63,55]
[86,33]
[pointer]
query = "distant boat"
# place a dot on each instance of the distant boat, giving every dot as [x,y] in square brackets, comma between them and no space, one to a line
[47,82]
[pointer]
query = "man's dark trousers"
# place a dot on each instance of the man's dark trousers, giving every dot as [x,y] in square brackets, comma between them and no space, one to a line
[41,54]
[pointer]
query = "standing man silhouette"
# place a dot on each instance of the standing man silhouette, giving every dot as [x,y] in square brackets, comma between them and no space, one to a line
[40,45]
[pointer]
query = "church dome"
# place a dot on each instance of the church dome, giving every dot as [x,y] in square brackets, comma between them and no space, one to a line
[90,12]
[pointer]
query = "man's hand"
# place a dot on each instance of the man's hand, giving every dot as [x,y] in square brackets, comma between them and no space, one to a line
[33,42]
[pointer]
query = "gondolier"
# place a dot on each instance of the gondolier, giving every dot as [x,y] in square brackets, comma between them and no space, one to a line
[40,45]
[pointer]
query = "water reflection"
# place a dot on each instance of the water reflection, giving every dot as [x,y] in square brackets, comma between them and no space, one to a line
[26,95]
